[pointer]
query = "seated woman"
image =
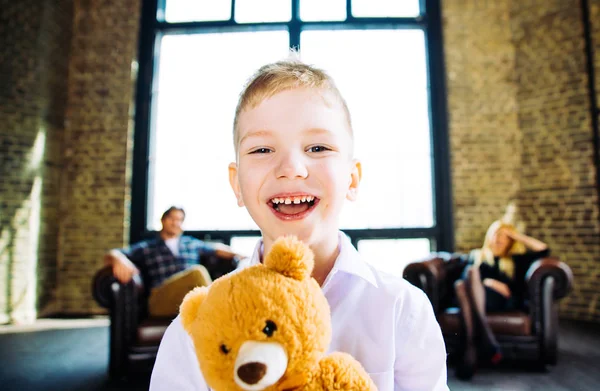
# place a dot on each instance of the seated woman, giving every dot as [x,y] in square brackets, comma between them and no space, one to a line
[489,285]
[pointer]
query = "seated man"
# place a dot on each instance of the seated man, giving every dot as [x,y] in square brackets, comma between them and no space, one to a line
[169,264]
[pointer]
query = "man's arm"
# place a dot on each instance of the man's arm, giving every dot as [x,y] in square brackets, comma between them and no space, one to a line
[420,350]
[123,268]
[176,366]
[221,250]
[224,251]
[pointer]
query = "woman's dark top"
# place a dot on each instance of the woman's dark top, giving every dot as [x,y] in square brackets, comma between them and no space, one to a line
[494,301]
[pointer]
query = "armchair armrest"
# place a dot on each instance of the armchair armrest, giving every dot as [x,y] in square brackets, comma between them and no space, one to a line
[545,267]
[124,302]
[547,279]
[101,286]
[105,292]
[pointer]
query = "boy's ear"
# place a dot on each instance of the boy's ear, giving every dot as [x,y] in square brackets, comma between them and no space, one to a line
[355,177]
[235,183]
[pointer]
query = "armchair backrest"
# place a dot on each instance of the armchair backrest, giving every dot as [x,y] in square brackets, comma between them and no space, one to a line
[217,266]
[435,275]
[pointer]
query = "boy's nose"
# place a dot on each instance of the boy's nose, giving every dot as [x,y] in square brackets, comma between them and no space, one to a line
[291,166]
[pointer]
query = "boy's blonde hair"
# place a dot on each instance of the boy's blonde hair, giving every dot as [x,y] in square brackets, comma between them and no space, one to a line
[280,76]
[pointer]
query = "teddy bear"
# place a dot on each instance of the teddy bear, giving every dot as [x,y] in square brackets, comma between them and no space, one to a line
[268,327]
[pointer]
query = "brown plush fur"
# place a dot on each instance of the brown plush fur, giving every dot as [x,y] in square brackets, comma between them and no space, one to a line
[234,310]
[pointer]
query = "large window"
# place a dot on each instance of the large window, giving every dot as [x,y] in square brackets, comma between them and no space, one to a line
[385,56]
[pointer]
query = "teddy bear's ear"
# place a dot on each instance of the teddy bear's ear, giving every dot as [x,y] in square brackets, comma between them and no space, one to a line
[190,305]
[290,257]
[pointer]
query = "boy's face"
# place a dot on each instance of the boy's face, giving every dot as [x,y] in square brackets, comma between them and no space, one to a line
[294,165]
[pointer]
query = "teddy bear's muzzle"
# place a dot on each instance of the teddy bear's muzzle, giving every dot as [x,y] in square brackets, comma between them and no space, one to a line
[259,365]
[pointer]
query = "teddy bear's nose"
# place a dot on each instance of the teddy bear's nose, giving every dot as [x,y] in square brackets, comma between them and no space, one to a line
[252,372]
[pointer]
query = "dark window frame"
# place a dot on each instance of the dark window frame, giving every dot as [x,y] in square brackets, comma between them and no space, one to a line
[441,234]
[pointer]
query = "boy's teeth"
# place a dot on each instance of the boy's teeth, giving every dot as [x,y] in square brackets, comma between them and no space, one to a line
[292,200]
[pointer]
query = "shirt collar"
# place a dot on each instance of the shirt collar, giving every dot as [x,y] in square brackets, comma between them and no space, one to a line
[348,261]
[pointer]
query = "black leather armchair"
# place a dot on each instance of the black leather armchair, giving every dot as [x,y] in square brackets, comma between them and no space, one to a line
[528,334]
[135,336]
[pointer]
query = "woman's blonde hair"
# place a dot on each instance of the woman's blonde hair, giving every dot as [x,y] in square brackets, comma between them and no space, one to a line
[485,254]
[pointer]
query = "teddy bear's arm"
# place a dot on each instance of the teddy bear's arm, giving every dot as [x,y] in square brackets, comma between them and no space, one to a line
[340,371]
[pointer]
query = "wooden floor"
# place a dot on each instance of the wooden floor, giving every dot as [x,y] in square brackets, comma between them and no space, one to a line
[578,367]
[59,358]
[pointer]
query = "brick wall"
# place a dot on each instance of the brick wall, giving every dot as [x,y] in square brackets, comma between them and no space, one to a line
[485,141]
[594,277]
[65,139]
[559,196]
[595,24]
[94,201]
[520,126]
[34,49]
[595,34]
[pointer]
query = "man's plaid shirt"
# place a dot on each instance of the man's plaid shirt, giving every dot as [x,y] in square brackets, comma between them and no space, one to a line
[156,262]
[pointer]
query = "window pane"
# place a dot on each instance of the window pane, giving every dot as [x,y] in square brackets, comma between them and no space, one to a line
[244,245]
[385,8]
[385,86]
[317,10]
[258,11]
[197,10]
[392,255]
[199,81]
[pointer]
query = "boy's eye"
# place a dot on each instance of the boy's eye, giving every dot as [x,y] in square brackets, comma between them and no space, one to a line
[261,150]
[318,148]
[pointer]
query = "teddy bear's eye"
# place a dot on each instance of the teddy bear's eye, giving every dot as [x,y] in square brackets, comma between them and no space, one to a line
[270,328]
[224,348]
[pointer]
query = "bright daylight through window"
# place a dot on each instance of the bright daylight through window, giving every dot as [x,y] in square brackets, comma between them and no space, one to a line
[380,68]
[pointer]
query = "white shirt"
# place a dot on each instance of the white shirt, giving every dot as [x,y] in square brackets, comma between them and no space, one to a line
[383,321]
[173,245]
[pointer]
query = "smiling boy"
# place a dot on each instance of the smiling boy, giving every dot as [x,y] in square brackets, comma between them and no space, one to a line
[293,171]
